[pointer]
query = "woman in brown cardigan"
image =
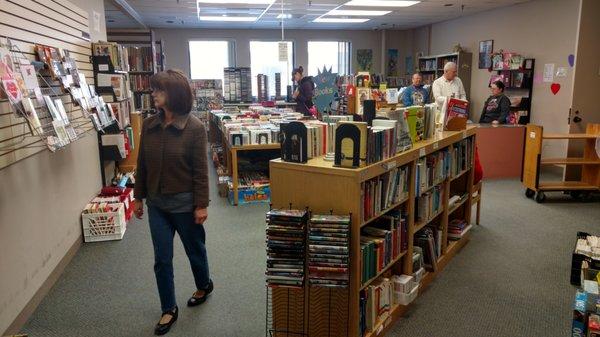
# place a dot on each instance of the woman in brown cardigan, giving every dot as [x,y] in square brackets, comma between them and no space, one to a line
[172,176]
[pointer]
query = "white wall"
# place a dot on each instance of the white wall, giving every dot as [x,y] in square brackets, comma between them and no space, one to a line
[544,29]
[40,203]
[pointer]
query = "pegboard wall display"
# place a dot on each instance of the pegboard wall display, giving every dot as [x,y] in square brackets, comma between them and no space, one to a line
[46,100]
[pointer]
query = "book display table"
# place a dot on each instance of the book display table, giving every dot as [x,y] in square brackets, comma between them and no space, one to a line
[323,189]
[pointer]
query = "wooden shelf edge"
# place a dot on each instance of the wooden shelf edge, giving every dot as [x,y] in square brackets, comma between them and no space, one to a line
[457,206]
[569,136]
[386,268]
[565,185]
[460,174]
[419,226]
[569,161]
[400,203]
[383,326]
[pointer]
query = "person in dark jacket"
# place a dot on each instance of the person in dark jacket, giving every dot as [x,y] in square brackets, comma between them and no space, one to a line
[304,92]
[172,175]
[497,107]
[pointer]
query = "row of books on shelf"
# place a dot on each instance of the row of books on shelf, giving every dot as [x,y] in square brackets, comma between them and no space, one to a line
[461,155]
[382,242]
[143,102]
[430,204]
[140,82]
[378,300]
[252,179]
[449,162]
[432,170]
[384,191]
[513,79]
[140,58]
[429,78]
[428,65]
[328,248]
[118,54]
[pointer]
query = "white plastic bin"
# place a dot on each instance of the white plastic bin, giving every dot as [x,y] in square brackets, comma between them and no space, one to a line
[406,299]
[104,226]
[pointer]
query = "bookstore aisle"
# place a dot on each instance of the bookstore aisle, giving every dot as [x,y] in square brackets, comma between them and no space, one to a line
[508,281]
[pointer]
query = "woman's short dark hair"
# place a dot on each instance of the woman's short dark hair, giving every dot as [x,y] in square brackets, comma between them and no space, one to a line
[298,70]
[499,85]
[177,88]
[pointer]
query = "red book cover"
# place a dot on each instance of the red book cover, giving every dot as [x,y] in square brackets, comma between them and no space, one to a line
[457,108]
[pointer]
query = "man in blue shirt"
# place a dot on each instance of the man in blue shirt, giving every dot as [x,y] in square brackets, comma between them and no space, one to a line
[415,94]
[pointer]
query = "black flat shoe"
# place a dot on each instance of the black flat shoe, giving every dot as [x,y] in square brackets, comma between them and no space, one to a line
[162,329]
[194,301]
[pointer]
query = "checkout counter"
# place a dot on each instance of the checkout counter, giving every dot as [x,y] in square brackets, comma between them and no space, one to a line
[501,150]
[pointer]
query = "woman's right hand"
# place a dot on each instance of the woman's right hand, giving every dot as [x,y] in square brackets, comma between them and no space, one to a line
[138,208]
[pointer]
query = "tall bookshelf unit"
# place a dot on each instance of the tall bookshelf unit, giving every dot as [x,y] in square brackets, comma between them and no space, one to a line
[142,46]
[432,67]
[323,188]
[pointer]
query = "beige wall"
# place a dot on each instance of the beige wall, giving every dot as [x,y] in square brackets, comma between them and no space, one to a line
[544,29]
[40,202]
[176,43]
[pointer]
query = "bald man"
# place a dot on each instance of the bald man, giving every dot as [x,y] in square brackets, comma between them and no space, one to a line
[415,94]
[449,85]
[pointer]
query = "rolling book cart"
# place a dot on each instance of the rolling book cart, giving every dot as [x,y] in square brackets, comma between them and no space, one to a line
[590,163]
[323,188]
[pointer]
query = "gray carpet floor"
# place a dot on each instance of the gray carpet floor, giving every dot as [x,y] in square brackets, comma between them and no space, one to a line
[512,279]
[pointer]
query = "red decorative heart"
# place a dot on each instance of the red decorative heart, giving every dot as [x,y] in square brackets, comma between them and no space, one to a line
[555,87]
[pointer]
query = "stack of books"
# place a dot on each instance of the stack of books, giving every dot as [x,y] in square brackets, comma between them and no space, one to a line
[328,250]
[286,232]
[383,191]
[457,229]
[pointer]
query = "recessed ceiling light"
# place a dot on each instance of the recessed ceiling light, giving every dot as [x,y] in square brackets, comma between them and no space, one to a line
[229,18]
[284,16]
[243,2]
[351,12]
[382,3]
[339,20]
[448,5]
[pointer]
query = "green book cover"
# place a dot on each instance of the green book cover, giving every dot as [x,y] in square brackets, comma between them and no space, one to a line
[414,118]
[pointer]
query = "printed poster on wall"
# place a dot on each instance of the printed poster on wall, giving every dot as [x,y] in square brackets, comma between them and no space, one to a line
[408,65]
[392,62]
[364,60]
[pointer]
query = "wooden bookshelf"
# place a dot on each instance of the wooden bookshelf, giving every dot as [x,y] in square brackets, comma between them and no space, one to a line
[432,67]
[322,188]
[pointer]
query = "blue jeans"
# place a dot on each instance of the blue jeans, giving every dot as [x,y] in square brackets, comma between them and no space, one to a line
[162,227]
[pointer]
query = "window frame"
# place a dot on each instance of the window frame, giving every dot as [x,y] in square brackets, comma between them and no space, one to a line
[348,57]
[231,51]
[292,61]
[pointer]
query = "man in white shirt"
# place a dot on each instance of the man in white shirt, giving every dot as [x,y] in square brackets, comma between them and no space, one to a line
[449,85]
